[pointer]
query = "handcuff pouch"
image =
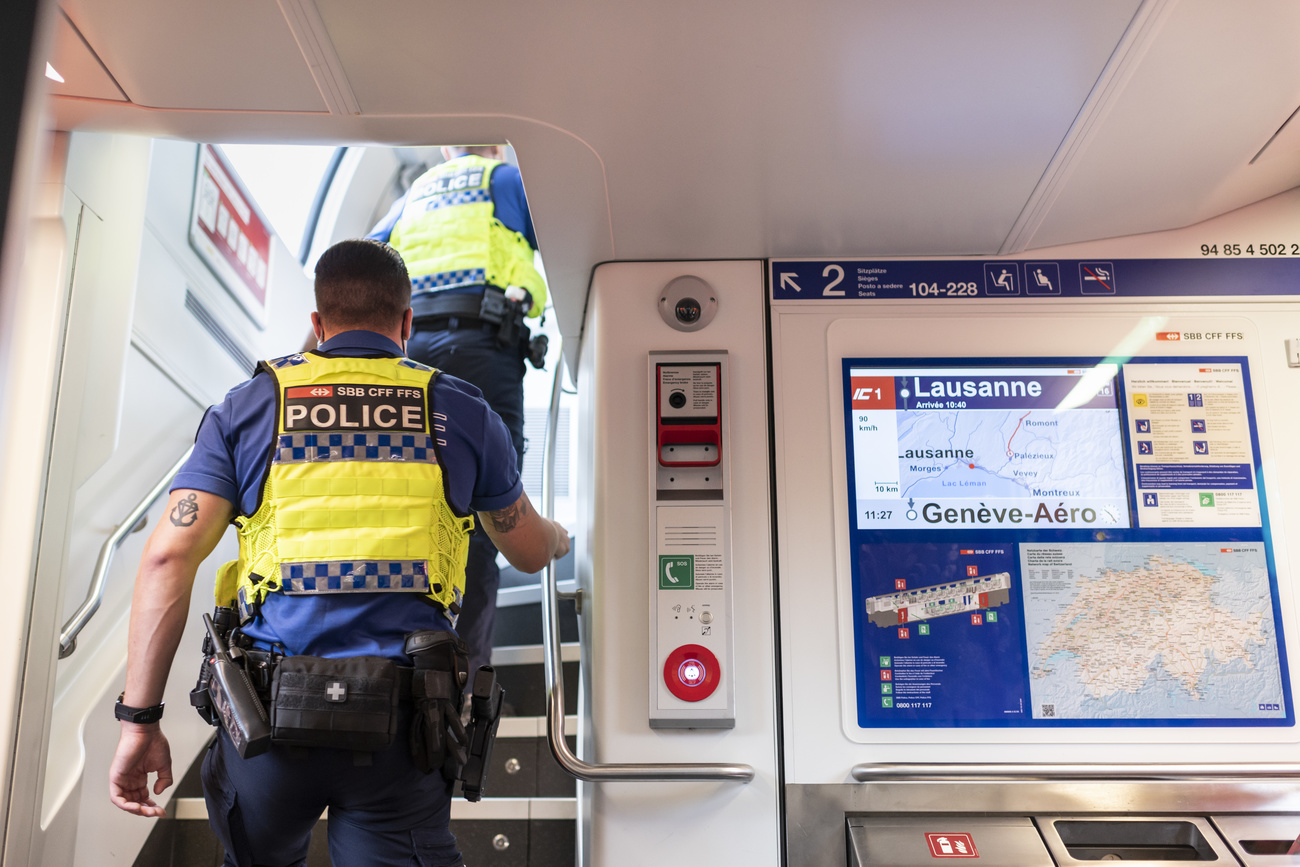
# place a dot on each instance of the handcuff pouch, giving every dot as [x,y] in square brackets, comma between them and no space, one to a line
[438,739]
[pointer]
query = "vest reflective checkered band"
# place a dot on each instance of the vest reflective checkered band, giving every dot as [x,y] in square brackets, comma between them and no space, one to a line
[354,499]
[450,237]
[304,447]
[345,576]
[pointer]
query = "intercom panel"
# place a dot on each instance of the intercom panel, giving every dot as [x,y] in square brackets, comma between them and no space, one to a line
[691,673]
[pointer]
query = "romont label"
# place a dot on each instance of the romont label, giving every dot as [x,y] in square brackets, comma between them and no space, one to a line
[353,407]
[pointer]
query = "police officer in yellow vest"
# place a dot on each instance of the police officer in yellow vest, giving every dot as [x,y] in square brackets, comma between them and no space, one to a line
[351,474]
[466,234]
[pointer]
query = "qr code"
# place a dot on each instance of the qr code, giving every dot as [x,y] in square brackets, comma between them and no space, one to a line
[1049,710]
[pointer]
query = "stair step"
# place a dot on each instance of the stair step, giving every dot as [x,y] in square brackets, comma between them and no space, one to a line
[505,832]
[519,618]
[524,680]
[547,809]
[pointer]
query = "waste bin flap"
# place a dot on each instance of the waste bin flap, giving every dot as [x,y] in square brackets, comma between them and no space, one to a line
[1258,840]
[1149,839]
[996,841]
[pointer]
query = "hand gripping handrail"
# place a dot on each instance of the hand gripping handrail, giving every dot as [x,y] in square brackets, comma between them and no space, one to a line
[95,595]
[885,772]
[594,773]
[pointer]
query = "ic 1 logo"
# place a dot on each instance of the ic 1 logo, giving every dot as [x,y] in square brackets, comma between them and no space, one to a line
[951,846]
[872,392]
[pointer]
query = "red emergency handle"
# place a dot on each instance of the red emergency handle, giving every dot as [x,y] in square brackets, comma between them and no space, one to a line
[690,435]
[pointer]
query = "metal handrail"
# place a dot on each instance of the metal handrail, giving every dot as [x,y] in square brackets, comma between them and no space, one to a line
[95,595]
[593,773]
[898,772]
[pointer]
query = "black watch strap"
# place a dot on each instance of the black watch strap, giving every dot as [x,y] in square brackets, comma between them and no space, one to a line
[140,715]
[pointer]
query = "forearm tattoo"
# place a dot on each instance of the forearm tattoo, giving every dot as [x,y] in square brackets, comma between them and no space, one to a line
[505,520]
[186,511]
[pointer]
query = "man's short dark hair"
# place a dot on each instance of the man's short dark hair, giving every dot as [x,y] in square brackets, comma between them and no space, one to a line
[362,284]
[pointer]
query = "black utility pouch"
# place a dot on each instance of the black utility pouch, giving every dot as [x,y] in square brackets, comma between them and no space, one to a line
[438,738]
[346,704]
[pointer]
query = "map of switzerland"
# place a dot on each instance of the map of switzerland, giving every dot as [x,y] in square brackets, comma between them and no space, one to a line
[1010,454]
[1151,632]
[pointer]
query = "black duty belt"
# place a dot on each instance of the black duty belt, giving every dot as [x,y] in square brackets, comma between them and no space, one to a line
[353,703]
[447,303]
[454,323]
[488,309]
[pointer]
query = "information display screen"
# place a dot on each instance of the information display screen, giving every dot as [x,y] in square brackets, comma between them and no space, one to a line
[1055,542]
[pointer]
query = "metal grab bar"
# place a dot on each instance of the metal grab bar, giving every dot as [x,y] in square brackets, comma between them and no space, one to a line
[897,772]
[575,766]
[95,595]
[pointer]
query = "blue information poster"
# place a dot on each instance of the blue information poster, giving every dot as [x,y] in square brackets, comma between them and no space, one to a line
[1060,542]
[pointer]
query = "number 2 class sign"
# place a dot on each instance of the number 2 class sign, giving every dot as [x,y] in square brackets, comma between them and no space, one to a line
[936,280]
[850,279]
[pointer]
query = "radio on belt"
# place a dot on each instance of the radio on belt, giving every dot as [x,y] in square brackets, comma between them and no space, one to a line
[691,658]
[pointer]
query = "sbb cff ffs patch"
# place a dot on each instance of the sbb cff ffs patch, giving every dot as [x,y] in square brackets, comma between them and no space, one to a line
[353,407]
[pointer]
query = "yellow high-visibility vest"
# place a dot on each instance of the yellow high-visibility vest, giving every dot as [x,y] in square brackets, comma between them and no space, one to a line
[449,235]
[355,499]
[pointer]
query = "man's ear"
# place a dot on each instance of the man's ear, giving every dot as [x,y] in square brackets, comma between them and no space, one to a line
[318,327]
[407,318]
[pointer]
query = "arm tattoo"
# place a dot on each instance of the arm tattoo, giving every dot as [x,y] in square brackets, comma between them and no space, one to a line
[186,511]
[505,520]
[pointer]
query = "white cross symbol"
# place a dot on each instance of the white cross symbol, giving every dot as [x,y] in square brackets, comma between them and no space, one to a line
[336,691]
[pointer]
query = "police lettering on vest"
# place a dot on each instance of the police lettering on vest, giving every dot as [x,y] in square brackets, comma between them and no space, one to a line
[353,407]
[471,176]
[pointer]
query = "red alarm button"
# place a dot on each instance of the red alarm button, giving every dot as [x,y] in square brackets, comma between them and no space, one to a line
[691,672]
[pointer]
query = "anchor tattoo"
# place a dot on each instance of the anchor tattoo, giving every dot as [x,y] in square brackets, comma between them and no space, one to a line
[186,511]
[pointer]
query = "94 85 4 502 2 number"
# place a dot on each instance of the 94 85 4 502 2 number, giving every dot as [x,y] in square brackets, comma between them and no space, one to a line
[1265,249]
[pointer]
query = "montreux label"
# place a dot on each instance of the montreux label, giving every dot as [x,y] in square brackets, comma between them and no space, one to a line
[353,407]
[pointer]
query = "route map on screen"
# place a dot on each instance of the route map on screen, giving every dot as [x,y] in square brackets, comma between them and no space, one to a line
[939,448]
[1060,542]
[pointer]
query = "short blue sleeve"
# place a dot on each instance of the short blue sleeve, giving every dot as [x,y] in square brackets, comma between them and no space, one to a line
[231,447]
[475,436]
[511,203]
[383,230]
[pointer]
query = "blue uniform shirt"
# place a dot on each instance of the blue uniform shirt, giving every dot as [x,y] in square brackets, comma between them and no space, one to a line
[229,461]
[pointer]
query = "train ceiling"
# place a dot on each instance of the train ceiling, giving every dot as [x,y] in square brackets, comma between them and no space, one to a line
[680,129]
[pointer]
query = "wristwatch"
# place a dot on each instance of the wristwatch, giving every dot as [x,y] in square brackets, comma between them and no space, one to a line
[140,715]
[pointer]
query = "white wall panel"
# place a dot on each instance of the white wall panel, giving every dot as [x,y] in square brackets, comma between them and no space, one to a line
[662,823]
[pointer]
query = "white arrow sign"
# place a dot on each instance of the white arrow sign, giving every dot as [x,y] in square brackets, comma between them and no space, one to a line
[787,281]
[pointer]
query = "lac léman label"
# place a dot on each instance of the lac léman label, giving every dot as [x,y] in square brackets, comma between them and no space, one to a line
[952,846]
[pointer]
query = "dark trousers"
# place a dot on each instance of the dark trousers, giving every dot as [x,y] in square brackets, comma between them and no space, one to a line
[473,354]
[384,814]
